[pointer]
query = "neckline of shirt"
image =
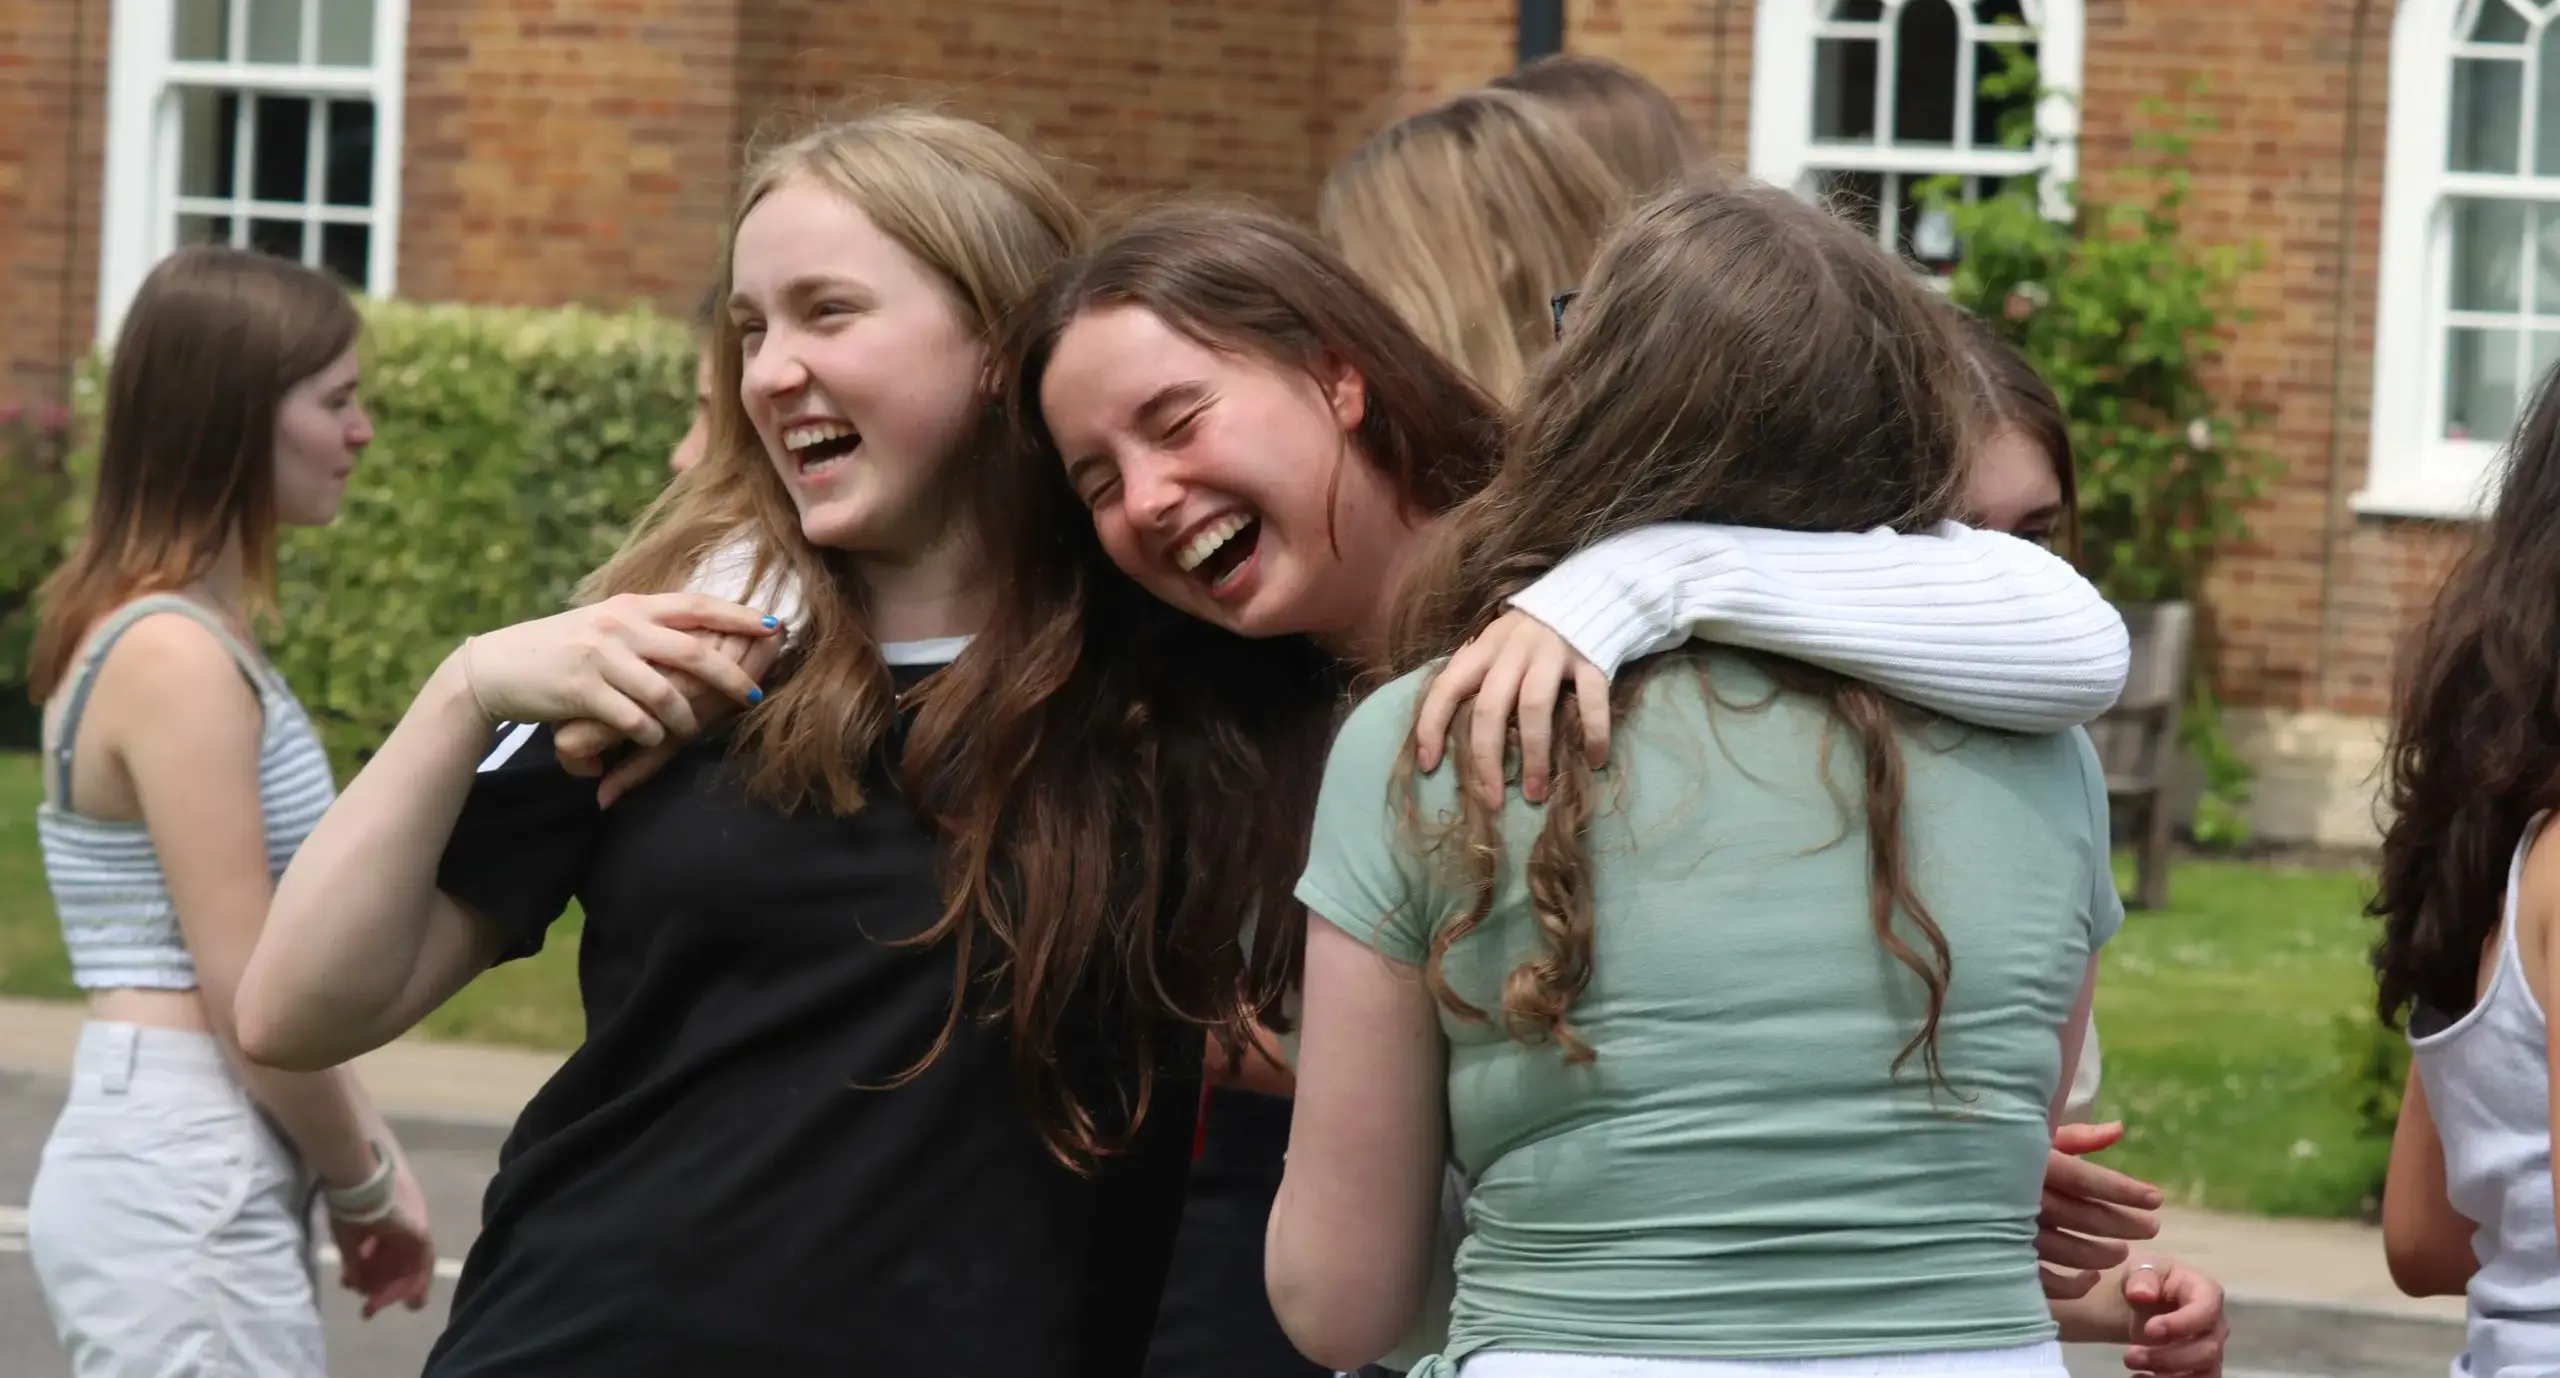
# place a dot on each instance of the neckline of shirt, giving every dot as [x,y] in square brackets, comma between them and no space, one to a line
[939,650]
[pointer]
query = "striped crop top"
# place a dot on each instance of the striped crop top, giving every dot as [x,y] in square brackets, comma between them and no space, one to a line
[117,919]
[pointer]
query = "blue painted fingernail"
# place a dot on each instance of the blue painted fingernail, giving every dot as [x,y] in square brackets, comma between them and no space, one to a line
[772,622]
[755,696]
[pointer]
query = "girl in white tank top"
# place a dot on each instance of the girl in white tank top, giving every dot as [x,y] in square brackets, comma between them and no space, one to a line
[2469,897]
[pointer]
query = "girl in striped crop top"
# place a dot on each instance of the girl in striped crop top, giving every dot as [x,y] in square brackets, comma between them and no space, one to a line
[180,776]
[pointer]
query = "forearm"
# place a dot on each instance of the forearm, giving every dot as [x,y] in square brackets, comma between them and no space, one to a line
[1979,626]
[323,1114]
[1263,1068]
[358,938]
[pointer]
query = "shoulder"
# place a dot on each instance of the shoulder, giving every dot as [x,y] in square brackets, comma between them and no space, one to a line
[174,672]
[1372,745]
[1384,718]
[2538,887]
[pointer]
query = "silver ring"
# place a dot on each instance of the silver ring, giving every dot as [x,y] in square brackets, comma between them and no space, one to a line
[2154,1267]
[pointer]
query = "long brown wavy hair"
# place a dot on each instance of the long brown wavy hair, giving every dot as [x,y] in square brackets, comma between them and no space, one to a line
[1099,751]
[2474,749]
[1738,357]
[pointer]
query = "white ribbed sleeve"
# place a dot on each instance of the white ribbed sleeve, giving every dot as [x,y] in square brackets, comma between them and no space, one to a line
[724,575]
[1977,625]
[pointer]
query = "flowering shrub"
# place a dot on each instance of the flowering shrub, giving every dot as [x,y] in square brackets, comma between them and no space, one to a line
[2126,318]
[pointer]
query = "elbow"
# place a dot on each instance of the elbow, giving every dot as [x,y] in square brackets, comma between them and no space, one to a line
[2421,1268]
[2115,660]
[2408,1273]
[267,1036]
[1331,1319]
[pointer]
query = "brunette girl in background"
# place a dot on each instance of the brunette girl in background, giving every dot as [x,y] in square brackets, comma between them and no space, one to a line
[170,1214]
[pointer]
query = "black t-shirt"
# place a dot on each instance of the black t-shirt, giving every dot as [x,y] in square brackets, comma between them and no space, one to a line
[713,1184]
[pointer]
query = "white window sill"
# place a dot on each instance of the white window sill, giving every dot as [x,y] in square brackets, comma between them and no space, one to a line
[2432,502]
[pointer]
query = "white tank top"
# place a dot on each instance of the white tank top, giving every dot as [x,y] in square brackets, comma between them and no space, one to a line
[2488,1083]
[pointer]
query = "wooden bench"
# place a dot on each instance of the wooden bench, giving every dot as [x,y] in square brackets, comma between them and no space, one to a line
[2137,740]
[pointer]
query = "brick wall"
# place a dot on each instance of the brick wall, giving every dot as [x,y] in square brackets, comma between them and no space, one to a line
[1451,45]
[1700,52]
[52,151]
[564,151]
[559,150]
[2308,611]
[1141,96]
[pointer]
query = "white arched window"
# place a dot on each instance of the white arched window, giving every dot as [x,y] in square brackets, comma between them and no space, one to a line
[1859,101]
[2467,315]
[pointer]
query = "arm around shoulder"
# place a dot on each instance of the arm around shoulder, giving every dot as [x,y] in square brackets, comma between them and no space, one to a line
[1983,627]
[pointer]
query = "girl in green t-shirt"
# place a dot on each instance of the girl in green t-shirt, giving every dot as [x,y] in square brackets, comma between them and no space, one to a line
[1750,1043]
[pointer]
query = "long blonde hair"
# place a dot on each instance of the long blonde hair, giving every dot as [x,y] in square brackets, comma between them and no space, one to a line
[1470,217]
[987,217]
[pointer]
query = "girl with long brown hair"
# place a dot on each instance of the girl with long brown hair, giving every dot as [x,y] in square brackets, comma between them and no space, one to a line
[2469,957]
[2021,481]
[169,1217]
[1219,412]
[822,1119]
[1698,1028]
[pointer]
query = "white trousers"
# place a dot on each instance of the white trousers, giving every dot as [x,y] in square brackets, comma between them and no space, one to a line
[2031,1361]
[169,1224]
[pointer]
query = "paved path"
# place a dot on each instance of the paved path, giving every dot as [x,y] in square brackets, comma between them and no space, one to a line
[2310,1298]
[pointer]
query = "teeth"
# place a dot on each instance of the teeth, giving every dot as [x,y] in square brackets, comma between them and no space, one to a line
[815,433]
[1211,538]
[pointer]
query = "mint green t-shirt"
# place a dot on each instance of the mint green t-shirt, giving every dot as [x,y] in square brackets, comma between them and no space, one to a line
[1738,1173]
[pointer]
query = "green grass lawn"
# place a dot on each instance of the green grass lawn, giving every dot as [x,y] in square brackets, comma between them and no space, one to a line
[2220,1021]
[2219,1016]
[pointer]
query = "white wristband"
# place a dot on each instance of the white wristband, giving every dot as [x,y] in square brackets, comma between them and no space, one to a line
[370,1200]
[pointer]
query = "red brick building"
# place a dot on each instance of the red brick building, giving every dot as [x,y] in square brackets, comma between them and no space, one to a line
[2389,158]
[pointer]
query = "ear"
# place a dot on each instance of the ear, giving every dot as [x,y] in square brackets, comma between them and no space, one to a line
[990,374]
[1345,391]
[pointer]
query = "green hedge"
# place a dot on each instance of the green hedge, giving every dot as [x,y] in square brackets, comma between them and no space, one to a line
[512,448]
[32,490]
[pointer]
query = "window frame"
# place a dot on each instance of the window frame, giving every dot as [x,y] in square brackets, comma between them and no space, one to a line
[2412,469]
[1785,152]
[140,206]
